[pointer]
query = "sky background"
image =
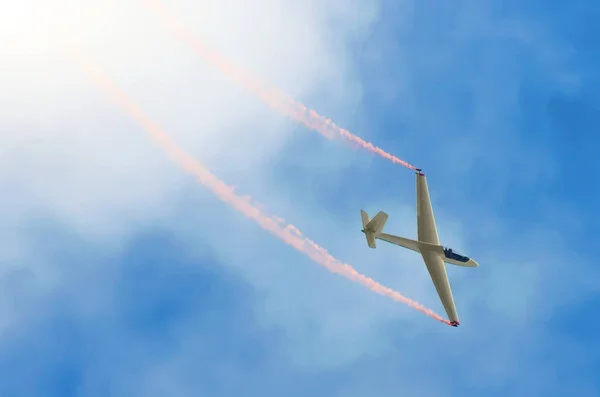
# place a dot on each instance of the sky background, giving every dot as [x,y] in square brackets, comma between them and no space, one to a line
[121,276]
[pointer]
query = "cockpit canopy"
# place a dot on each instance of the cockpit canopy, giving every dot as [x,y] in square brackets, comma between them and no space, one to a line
[453,254]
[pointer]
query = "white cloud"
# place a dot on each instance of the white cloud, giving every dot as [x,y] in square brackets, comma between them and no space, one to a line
[70,154]
[67,149]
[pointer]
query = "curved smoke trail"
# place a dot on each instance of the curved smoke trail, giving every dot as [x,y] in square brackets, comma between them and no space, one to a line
[289,234]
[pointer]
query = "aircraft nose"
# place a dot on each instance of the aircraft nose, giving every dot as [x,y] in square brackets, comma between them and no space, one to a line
[473,263]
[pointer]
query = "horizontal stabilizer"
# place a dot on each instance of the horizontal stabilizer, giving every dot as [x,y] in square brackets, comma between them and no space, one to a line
[372,227]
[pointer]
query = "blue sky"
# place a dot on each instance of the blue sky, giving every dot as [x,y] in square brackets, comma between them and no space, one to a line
[121,276]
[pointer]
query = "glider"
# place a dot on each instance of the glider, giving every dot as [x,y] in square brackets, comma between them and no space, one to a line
[428,245]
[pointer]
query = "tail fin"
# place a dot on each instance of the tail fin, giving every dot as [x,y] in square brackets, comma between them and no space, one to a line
[373,227]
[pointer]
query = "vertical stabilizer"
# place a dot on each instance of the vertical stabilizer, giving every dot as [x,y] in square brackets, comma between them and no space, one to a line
[373,227]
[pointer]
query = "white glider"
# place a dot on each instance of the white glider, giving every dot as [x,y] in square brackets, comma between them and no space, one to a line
[428,245]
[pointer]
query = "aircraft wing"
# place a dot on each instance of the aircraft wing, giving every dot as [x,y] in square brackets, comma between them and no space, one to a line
[433,258]
[437,271]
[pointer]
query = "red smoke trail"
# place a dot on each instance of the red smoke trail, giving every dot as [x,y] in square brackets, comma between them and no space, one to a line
[274,97]
[289,234]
